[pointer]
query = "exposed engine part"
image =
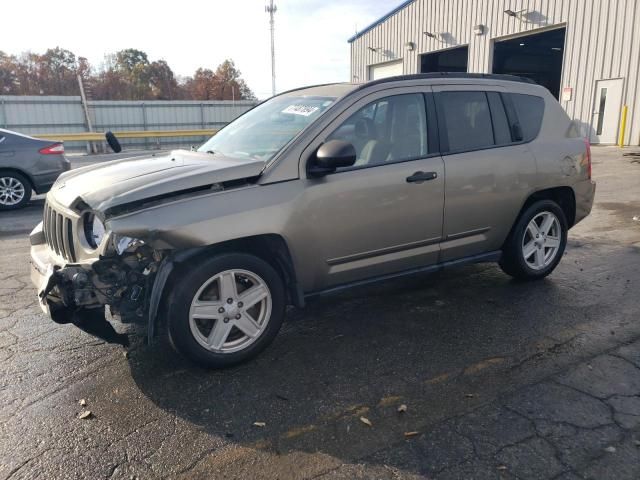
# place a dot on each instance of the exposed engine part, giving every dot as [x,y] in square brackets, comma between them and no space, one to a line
[123,282]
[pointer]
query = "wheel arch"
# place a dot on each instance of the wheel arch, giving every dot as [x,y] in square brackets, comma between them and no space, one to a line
[21,172]
[564,196]
[271,247]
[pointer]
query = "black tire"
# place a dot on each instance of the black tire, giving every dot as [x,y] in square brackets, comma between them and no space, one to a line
[26,185]
[513,262]
[192,276]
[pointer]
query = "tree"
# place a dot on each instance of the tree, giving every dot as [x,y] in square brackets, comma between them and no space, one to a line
[229,83]
[162,81]
[124,75]
[8,77]
[202,85]
[56,72]
[133,65]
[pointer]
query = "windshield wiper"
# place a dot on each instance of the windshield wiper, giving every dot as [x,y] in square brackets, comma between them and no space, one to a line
[211,152]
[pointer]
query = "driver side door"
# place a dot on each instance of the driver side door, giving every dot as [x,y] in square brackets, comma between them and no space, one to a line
[383,214]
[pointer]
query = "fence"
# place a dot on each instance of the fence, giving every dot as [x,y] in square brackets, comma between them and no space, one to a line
[58,114]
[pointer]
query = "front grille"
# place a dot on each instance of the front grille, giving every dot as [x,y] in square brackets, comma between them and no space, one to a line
[58,232]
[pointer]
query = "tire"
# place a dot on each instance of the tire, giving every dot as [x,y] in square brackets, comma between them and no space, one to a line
[15,190]
[527,257]
[192,322]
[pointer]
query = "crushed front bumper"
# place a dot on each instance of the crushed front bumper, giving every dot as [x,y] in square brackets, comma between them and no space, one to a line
[57,296]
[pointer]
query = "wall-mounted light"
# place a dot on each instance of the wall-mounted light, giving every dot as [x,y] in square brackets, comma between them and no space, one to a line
[478,29]
[513,14]
[410,46]
[373,49]
[429,34]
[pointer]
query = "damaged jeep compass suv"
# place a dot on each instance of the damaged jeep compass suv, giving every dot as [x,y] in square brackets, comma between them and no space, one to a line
[314,190]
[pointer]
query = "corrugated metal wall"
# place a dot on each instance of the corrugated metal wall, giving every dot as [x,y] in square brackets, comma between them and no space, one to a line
[56,114]
[602,42]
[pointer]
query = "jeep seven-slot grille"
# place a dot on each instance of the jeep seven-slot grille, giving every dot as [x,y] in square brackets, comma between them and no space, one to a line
[58,232]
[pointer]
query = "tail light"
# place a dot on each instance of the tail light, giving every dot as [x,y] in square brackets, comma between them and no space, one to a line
[55,149]
[588,152]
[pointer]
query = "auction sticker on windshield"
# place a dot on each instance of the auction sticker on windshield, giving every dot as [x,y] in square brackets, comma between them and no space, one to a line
[304,110]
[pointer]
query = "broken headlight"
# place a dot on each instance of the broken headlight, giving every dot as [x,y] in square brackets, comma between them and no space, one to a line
[94,230]
[122,244]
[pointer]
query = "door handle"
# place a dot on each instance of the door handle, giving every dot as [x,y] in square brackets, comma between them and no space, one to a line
[420,177]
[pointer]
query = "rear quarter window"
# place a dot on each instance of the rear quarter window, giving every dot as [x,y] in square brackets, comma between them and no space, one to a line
[530,110]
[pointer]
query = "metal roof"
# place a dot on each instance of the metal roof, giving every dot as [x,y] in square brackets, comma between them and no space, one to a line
[380,20]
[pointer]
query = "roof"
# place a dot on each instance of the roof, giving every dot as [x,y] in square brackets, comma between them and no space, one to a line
[380,20]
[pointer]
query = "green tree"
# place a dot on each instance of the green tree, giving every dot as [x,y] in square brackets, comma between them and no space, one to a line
[133,66]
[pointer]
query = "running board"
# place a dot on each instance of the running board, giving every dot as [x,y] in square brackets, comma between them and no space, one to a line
[481,258]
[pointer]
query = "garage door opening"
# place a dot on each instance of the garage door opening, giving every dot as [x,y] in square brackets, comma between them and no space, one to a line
[537,56]
[451,60]
[383,70]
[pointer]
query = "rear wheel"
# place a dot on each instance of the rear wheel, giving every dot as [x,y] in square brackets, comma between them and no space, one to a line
[537,242]
[15,190]
[226,309]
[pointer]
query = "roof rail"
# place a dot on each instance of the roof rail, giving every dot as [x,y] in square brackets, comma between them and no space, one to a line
[445,75]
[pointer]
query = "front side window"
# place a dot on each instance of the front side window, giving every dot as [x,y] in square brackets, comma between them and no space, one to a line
[262,132]
[467,120]
[392,129]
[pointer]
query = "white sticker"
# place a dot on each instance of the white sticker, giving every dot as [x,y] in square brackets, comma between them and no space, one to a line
[304,110]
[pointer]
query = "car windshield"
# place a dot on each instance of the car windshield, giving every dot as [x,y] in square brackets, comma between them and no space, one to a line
[262,132]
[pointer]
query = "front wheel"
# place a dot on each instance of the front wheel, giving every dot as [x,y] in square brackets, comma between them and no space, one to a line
[225,309]
[537,242]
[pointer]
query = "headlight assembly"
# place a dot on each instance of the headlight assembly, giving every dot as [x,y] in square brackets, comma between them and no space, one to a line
[123,244]
[94,230]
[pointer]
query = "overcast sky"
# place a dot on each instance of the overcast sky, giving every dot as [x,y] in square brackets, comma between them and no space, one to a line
[311,35]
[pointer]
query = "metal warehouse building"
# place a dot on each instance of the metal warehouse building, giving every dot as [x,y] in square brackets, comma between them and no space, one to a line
[586,52]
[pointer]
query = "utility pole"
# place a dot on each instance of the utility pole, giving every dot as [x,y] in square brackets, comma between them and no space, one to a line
[271,10]
[85,107]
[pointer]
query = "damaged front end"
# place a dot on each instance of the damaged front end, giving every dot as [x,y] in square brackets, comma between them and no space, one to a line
[122,277]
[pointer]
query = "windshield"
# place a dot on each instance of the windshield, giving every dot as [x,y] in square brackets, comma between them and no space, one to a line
[260,133]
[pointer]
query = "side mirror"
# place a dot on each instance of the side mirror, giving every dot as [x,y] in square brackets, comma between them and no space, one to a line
[332,155]
[113,142]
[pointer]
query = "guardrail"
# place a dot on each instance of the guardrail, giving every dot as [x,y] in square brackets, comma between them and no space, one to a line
[97,136]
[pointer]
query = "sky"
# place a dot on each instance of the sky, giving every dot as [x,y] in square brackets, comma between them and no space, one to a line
[310,35]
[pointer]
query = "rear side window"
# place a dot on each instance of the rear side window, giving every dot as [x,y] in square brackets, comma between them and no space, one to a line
[467,120]
[529,110]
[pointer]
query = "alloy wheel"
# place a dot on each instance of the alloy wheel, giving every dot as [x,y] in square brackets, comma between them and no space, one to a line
[541,240]
[230,311]
[12,191]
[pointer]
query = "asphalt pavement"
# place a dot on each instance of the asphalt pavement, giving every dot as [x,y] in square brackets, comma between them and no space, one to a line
[500,379]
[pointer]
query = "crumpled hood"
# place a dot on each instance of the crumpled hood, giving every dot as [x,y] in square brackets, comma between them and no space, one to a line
[108,184]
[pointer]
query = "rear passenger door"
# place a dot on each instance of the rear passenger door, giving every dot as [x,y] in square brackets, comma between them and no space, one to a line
[489,169]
